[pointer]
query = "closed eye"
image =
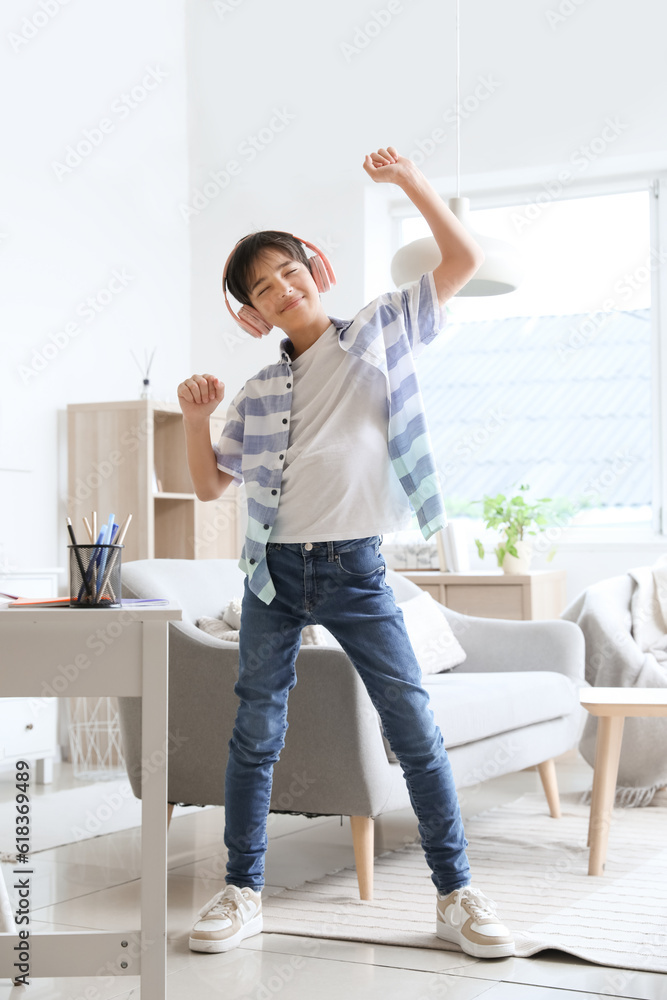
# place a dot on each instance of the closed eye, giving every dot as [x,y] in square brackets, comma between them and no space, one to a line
[293,271]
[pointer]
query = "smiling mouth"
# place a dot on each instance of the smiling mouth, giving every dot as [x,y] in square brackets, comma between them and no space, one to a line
[292,305]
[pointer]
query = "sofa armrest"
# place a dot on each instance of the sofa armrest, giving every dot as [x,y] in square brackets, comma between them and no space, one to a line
[497,644]
[202,708]
[333,761]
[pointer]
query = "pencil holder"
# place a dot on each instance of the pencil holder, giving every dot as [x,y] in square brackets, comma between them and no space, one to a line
[94,576]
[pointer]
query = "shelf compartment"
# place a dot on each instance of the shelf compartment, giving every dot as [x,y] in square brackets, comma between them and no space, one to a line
[169,452]
[174,529]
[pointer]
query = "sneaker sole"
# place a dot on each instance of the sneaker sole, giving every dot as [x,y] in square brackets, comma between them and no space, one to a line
[254,926]
[447,933]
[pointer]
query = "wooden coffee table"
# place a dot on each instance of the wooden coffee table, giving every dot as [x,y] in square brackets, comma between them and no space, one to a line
[612,706]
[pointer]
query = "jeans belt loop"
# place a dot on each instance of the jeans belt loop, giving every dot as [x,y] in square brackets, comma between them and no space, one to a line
[330,551]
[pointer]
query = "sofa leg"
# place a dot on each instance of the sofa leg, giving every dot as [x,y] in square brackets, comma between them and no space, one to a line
[547,771]
[170,809]
[363,830]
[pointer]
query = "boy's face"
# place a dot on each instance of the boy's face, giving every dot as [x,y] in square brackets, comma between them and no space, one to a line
[283,291]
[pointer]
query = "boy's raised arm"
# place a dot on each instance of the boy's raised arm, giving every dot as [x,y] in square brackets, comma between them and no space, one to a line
[461,254]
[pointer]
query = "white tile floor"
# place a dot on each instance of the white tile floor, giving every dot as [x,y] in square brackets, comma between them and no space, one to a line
[94,884]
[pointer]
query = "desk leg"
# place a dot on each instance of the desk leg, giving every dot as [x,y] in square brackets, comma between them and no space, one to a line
[7,924]
[607,756]
[154,723]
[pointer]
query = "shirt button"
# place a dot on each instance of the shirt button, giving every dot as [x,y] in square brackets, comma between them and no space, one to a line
[281,456]
[308,546]
[284,420]
[274,492]
[251,561]
[289,385]
[266,525]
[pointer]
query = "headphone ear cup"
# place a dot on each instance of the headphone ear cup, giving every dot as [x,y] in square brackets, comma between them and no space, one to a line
[251,321]
[319,273]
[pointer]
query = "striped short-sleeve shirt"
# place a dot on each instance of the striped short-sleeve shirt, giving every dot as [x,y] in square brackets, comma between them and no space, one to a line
[388,334]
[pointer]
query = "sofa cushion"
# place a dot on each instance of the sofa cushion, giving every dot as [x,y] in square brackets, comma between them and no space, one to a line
[435,645]
[470,707]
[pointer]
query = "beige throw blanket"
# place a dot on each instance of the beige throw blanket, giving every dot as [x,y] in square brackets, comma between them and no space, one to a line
[623,619]
[648,609]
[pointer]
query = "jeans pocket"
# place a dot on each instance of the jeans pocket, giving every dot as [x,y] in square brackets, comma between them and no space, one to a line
[362,561]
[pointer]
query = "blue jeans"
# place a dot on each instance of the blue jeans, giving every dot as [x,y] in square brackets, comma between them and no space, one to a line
[341,585]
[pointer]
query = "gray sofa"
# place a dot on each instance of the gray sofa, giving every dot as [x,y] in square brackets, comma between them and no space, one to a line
[511,705]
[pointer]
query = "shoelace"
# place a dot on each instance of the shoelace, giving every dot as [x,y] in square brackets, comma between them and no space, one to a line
[224,902]
[480,904]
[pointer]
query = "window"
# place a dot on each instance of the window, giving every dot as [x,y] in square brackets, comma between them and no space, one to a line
[550,385]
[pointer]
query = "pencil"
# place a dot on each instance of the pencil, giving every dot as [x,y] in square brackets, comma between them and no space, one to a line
[114,555]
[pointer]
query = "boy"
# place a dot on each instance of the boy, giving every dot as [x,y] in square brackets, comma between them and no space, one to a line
[332,446]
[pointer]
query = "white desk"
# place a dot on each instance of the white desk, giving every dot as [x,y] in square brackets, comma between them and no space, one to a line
[80,652]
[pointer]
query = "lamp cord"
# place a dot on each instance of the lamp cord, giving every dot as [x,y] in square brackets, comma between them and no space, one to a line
[458,105]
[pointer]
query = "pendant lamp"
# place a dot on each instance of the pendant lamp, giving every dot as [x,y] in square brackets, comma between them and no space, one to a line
[501,271]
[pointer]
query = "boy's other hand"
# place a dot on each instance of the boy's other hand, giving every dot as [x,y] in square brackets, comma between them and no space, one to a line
[388,165]
[199,396]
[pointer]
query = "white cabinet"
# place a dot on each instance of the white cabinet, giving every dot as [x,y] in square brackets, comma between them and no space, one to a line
[30,582]
[29,731]
[29,726]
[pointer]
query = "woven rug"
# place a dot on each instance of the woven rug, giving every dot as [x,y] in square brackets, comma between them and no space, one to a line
[533,867]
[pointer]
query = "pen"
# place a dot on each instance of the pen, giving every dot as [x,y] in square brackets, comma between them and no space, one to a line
[90,571]
[108,584]
[108,532]
[78,556]
[94,536]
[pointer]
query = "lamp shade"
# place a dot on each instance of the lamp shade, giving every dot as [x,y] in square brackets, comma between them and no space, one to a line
[500,272]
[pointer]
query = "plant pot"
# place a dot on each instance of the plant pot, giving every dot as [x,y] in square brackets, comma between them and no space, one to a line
[513,565]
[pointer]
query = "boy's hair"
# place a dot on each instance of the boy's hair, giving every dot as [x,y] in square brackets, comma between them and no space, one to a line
[240,267]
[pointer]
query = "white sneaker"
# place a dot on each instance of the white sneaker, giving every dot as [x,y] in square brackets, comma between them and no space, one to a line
[232,915]
[466,917]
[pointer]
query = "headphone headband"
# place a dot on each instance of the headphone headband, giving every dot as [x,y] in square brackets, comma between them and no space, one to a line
[248,318]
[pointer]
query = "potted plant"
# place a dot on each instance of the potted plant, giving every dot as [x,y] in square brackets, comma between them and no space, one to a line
[515,517]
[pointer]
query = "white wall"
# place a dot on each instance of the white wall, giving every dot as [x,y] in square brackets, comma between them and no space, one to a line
[106,228]
[553,87]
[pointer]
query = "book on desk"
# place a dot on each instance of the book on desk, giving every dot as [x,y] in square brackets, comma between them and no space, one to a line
[64,602]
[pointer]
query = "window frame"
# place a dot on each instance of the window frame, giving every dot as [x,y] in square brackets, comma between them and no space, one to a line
[384,213]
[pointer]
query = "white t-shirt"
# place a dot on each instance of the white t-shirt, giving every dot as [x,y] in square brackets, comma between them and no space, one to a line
[338,480]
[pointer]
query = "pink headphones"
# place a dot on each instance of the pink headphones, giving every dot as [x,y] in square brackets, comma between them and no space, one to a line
[249,319]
